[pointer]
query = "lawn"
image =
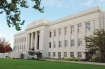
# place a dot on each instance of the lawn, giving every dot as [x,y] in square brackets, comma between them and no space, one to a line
[35,64]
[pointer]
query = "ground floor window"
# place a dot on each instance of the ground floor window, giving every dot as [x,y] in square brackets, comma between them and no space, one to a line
[59,54]
[49,54]
[71,54]
[65,54]
[53,54]
[79,54]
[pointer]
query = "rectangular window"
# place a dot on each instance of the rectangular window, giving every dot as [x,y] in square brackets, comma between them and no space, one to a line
[65,54]
[79,27]
[72,42]
[49,54]
[60,32]
[66,43]
[79,54]
[71,54]
[80,42]
[60,43]
[59,54]
[65,30]
[54,44]
[49,44]
[72,29]
[53,54]
[88,26]
[54,33]
[50,34]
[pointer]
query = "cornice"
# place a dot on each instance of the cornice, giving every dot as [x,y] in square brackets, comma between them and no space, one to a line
[20,33]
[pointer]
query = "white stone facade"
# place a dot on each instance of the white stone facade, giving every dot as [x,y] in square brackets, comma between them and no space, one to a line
[63,37]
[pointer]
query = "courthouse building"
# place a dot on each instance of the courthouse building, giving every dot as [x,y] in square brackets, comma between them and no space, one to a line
[63,37]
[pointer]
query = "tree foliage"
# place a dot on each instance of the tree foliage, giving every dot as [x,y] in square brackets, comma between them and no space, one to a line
[12,11]
[97,42]
[4,46]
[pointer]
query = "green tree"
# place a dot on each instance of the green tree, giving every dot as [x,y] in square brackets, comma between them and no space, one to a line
[97,42]
[12,11]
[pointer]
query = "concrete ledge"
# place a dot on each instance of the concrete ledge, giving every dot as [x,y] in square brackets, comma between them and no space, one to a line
[79,62]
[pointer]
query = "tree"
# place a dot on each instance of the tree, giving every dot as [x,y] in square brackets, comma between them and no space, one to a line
[12,11]
[4,46]
[96,42]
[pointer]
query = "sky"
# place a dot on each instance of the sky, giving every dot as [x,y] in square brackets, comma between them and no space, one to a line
[53,10]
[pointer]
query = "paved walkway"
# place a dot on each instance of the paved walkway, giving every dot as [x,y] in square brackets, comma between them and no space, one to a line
[80,62]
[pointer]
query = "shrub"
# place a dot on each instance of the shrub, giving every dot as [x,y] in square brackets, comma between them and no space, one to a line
[72,59]
[97,59]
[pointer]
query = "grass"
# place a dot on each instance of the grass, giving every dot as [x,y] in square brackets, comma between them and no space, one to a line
[35,64]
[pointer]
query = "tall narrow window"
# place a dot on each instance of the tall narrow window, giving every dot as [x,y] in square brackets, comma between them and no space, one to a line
[79,54]
[66,43]
[66,30]
[79,27]
[60,43]
[54,44]
[54,33]
[72,42]
[80,42]
[49,54]
[53,54]
[72,29]
[65,54]
[88,26]
[49,44]
[50,34]
[60,32]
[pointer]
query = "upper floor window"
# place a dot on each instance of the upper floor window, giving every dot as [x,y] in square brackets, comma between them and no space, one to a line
[60,43]
[80,42]
[54,32]
[54,44]
[72,28]
[88,26]
[66,43]
[79,27]
[60,31]
[50,34]
[49,44]
[72,42]
[65,30]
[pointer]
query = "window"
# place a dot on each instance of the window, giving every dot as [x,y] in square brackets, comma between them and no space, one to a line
[79,27]
[66,43]
[60,31]
[54,44]
[59,54]
[65,54]
[65,30]
[71,54]
[60,43]
[54,32]
[49,44]
[50,34]
[88,26]
[49,54]
[79,54]
[72,28]
[72,42]
[53,54]
[79,42]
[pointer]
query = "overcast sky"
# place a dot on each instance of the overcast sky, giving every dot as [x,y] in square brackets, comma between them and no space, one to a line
[53,9]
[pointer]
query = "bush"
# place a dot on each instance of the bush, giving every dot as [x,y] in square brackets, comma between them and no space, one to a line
[97,59]
[72,59]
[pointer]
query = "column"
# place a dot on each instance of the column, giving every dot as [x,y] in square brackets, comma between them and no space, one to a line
[57,38]
[52,41]
[36,40]
[69,37]
[63,37]
[31,40]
